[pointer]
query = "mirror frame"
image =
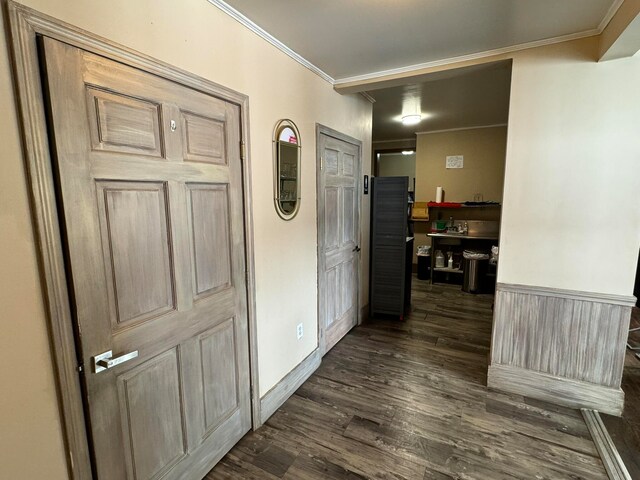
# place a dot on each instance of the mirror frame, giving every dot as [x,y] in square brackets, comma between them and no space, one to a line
[280,126]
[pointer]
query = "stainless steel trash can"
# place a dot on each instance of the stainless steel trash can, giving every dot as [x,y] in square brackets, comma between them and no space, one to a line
[475,270]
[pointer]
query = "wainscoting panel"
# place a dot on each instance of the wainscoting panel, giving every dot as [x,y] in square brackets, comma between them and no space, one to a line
[577,336]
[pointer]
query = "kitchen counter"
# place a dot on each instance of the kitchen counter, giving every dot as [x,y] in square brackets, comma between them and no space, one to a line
[465,237]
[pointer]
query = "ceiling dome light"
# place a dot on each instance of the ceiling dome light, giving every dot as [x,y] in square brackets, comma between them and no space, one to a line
[408,152]
[411,119]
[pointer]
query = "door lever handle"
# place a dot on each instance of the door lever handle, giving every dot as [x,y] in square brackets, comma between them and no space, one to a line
[356,248]
[105,360]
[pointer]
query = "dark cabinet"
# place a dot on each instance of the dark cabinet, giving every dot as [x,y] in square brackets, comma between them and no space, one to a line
[391,248]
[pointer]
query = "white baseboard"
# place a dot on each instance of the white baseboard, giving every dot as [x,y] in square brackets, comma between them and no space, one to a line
[274,398]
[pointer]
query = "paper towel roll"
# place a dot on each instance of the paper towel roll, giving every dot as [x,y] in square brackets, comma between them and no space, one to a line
[438,194]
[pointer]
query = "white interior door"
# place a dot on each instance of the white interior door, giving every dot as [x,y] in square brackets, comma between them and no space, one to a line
[338,238]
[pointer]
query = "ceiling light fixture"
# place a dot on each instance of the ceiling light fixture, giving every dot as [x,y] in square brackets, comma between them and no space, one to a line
[411,119]
[408,152]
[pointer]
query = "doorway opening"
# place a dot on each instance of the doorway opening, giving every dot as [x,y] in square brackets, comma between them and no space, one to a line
[447,134]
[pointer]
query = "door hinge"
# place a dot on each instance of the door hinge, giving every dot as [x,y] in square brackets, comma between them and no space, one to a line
[242,151]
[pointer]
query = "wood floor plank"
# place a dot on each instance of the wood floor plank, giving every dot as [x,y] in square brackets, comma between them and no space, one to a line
[311,467]
[408,401]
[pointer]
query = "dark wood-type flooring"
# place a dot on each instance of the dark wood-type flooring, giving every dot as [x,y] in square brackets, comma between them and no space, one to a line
[625,430]
[407,400]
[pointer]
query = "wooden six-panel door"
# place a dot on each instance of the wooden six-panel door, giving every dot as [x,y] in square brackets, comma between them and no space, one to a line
[338,238]
[150,190]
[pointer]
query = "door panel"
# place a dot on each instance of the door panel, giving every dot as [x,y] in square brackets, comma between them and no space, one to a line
[123,124]
[203,139]
[347,277]
[150,186]
[348,162]
[209,219]
[339,236]
[348,216]
[153,386]
[219,374]
[136,249]
[331,222]
[330,160]
[332,298]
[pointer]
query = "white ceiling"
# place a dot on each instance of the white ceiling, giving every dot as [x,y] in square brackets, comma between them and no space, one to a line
[461,98]
[353,38]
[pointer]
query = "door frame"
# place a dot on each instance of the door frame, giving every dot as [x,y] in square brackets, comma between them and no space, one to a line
[322,287]
[25,25]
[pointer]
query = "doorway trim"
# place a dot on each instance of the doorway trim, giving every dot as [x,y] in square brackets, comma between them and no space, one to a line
[25,25]
[330,132]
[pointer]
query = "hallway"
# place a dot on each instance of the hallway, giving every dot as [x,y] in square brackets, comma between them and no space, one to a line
[407,400]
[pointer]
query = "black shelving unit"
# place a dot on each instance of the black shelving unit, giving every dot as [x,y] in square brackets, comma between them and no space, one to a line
[391,248]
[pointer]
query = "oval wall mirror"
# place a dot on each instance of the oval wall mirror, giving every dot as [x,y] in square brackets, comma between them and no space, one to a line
[286,159]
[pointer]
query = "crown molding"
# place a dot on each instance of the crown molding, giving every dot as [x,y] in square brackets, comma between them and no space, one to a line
[609,15]
[244,20]
[478,127]
[241,18]
[368,97]
[409,69]
[400,140]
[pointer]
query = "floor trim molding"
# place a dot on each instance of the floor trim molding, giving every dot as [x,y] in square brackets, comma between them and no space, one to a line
[609,455]
[274,398]
[562,391]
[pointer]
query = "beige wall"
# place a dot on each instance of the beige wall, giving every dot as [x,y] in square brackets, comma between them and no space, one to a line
[397,165]
[571,215]
[484,157]
[197,37]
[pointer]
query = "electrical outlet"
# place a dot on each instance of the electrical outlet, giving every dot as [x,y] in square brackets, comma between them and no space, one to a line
[299,331]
